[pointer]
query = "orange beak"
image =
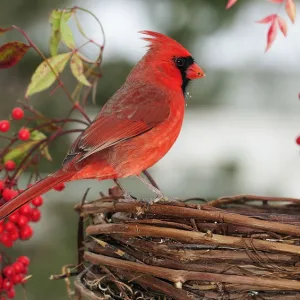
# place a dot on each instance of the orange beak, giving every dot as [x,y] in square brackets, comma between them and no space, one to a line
[194,72]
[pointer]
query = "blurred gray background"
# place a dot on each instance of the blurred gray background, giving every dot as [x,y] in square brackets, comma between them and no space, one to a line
[241,120]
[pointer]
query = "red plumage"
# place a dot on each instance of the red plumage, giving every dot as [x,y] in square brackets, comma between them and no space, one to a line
[135,128]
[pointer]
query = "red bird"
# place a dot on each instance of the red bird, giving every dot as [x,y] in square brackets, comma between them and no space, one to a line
[135,128]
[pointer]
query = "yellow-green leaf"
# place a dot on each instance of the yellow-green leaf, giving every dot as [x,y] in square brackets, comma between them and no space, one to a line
[38,136]
[45,153]
[44,76]
[57,16]
[18,152]
[66,32]
[77,69]
[55,31]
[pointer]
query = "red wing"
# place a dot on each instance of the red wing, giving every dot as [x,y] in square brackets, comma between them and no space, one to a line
[123,119]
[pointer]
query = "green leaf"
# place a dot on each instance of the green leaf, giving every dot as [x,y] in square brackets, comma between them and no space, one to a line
[18,153]
[11,53]
[38,136]
[43,76]
[66,32]
[55,31]
[45,153]
[57,16]
[77,69]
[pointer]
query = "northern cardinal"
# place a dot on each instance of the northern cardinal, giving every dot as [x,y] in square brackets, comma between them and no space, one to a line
[135,128]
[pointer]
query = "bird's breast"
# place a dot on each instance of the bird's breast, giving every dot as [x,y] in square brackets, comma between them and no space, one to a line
[135,155]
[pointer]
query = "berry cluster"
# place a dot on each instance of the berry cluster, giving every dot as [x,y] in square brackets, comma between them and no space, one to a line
[16,114]
[12,275]
[17,226]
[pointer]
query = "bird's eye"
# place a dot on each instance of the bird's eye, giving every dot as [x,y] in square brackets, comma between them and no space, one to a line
[180,62]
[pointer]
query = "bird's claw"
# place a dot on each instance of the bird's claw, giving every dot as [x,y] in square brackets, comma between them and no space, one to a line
[128,198]
[160,198]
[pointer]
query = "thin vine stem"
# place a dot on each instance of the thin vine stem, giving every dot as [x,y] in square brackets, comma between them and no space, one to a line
[77,105]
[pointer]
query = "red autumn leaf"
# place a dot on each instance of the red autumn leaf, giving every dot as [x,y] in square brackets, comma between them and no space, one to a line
[282,25]
[11,53]
[230,3]
[290,8]
[267,19]
[271,36]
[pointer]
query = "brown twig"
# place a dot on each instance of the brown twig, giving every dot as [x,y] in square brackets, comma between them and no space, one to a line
[246,198]
[184,276]
[186,212]
[191,237]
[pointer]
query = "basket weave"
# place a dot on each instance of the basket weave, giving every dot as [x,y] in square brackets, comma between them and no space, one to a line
[241,247]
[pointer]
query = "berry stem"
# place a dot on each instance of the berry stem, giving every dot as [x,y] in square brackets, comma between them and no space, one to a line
[78,107]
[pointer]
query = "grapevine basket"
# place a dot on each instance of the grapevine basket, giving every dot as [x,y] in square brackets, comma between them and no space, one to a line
[239,247]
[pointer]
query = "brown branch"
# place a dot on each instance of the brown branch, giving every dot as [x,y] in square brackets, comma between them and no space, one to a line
[191,237]
[245,198]
[186,212]
[159,285]
[183,276]
[209,256]
[80,235]
[63,276]
[81,290]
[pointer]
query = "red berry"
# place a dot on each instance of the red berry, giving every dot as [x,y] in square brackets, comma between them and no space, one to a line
[1,282]
[26,210]
[10,226]
[8,194]
[59,187]
[24,273]
[37,201]
[17,278]
[14,217]
[8,271]
[7,284]
[18,267]
[4,126]
[14,235]
[22,221]
[17,113]
[6,240]
[10,165]
[1,228]
[11,293]
[2,185]
[24,260]
[36,215]
[26,232]
[298,140]
[24,134]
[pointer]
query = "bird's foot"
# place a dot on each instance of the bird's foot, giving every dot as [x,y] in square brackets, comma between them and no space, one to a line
[120,194]
[128,198]
[160,198]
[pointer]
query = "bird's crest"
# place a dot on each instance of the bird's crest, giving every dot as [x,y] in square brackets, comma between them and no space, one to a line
[159,41]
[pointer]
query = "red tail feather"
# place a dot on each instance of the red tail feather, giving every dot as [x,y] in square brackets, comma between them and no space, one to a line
[38,189]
